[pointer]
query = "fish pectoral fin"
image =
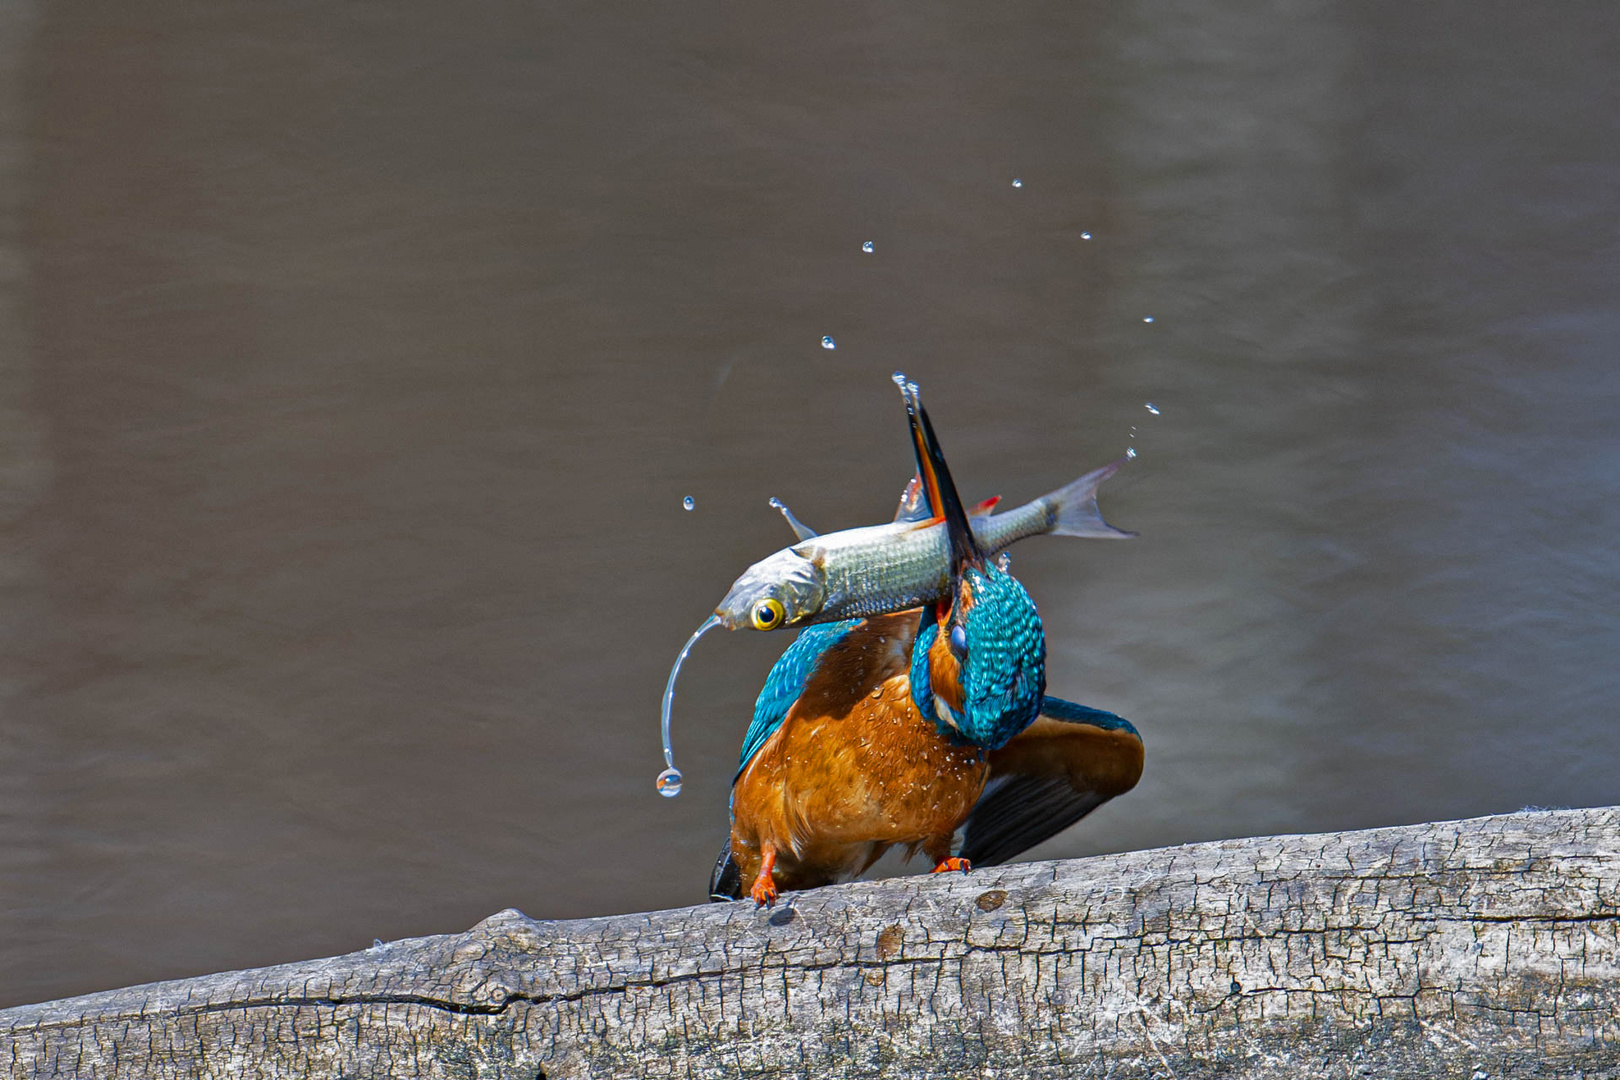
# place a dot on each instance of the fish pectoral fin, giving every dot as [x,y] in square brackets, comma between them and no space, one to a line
[985,507]
[800,529]
[912,505]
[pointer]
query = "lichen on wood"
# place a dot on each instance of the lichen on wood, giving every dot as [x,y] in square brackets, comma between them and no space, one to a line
[1480,948]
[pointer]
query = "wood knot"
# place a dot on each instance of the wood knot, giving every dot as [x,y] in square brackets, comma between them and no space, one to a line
[888,942]
[989,901]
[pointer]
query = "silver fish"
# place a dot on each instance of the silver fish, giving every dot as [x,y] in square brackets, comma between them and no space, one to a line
[877,569]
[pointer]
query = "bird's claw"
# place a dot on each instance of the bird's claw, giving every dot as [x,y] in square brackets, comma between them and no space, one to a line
[763,893]
[953,863]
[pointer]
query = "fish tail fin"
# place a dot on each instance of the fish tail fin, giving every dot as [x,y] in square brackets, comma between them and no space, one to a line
[1076,506]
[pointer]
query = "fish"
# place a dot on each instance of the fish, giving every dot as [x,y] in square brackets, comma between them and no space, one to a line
[881,569]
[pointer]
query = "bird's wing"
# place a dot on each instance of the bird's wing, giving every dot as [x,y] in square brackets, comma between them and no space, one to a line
[1070,761]
[787,680]
[827,669]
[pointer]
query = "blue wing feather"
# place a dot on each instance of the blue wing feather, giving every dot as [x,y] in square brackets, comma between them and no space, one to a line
[1047,779]
[1058,709]
[787,681]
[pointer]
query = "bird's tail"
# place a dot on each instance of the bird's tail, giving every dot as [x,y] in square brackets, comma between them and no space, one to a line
[726,881]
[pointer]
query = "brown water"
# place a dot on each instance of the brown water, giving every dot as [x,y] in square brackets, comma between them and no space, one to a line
[355,359]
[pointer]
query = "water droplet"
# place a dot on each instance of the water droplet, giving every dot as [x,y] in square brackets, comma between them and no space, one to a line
[1152,408]
[1130,451]
[1147,318]
[867,247]
[828,343]
[669,782]
[689,502]
[1085,236]
[1017,182]
[1003,561]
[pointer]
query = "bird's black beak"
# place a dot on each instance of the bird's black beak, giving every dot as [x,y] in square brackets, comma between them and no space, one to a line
[943,500]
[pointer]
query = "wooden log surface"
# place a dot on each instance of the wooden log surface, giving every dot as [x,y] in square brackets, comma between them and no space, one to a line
[1481,949]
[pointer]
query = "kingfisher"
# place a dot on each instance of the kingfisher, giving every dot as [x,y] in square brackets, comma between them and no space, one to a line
[904,729]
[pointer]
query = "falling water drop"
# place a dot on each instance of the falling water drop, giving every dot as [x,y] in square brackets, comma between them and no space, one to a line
[689,503]
[1130,451]
[1085,236]
[828,343]
[1147,318]
[1017,182]
[1152,408]
[1004,561]
[669,782]
[867,247]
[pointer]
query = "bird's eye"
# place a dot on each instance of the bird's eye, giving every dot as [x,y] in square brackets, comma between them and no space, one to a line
[767,614]
[959,641]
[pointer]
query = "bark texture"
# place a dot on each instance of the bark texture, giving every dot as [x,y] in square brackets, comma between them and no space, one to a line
[1479,949]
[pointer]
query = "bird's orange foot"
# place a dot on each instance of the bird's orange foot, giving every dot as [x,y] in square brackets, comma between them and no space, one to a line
[764,890]
[953,863]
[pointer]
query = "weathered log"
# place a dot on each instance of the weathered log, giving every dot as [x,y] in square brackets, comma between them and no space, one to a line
[1481,948]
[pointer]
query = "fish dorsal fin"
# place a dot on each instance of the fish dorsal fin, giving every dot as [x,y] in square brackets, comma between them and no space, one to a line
[985,507]
[912,505]
[800,529]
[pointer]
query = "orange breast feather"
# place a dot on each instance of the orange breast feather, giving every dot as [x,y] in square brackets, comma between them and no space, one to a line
[854,768]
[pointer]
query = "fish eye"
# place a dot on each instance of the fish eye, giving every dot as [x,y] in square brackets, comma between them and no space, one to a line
[767,614]
[959,641]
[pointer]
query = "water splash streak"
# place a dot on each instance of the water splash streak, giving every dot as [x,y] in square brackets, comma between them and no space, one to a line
[669,781]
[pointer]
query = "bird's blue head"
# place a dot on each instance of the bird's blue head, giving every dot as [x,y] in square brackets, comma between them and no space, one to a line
[978,669]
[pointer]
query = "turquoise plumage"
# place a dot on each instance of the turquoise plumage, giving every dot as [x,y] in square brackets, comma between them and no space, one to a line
[1002,662]
[787,680]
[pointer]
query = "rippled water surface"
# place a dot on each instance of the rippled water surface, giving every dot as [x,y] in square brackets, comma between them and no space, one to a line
[356,361]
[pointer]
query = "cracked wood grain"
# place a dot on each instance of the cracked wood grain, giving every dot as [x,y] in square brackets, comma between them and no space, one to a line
[1480,949]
